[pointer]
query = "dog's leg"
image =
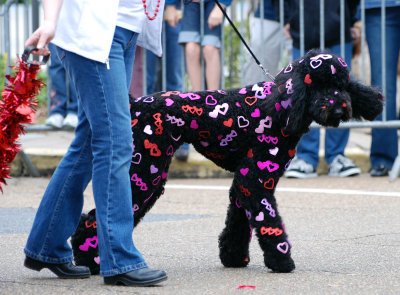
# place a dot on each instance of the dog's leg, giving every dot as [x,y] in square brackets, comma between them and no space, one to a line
[271,235]
[144,202]
[146,192]
[85,244]
[256,197]
[235,238]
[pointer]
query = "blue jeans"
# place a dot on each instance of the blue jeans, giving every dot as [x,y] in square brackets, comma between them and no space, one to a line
[101,151]
[173,55]
[384,146]
[335,139]
[62,92]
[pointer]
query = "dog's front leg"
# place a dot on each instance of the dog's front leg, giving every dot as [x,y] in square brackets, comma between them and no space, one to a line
[271,235]
[235,238]
[256,197]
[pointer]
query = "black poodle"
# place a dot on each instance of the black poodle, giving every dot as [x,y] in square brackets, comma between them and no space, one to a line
[253,132]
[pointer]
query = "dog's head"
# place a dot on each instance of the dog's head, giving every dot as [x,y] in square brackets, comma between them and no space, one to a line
[318,87]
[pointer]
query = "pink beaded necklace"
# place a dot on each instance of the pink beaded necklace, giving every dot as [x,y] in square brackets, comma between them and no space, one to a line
[155,11]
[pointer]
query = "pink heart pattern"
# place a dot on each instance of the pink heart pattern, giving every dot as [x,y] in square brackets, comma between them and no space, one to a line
[244,171]
[256,113]
[260,216]
[283,247]
[153,169]
[194,124]
[271,167]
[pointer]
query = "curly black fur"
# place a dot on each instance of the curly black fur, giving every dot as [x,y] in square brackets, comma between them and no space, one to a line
[252,132]
[84,235]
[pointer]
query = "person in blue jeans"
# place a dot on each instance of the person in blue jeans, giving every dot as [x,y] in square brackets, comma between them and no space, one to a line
[173,55]
[307,156]
[63,102]
[209,44]
[96,45]
[384,145]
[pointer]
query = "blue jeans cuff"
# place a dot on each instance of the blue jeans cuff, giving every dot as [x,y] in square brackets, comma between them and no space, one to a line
[126,269]
[48,259]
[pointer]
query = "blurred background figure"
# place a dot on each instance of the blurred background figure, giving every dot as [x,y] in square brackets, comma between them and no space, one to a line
[210,44]
[384,146]
[266,38]
[62,95]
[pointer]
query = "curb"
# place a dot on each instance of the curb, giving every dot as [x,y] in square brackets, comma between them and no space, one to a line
[196,167]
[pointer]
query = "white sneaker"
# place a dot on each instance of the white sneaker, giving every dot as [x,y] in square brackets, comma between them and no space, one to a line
[299,168]
[70,121]
[343,167]
[55,121]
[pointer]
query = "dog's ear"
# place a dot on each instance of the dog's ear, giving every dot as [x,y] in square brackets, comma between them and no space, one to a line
[297,121]
[366,102]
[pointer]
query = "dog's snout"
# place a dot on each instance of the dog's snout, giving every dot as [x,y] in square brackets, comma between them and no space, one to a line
[338,112]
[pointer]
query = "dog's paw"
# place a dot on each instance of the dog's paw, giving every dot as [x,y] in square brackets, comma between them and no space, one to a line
[234,260]
[278,264]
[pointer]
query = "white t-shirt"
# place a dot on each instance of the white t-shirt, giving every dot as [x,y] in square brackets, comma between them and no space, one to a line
[86,27]
[131,15]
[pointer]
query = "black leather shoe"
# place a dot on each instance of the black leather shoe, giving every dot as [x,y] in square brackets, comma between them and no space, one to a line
[62,270]
[139,278]
[379,170]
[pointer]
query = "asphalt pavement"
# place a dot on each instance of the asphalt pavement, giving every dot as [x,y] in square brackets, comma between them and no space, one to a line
[345,235]
[345,232]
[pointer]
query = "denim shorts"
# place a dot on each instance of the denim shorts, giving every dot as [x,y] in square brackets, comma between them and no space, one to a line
[191,26]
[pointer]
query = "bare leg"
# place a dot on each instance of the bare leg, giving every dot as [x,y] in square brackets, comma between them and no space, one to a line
[193,53]
[213,66]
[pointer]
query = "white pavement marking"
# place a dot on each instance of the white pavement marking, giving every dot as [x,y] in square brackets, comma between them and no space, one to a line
[291,190]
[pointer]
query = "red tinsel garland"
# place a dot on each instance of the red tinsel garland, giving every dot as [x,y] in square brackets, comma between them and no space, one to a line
[16,108]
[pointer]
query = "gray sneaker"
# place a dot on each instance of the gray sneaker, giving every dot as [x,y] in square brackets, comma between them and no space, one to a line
[343,167]
[300,169]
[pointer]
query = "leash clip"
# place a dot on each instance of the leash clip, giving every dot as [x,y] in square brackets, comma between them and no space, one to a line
[28,51]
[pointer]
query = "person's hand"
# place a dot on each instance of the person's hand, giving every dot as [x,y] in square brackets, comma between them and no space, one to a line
[286,31]
[355,32]
[171,15]
[42,37]
[215,17]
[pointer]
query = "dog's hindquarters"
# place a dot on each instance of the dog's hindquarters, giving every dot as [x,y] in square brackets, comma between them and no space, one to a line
[85,244]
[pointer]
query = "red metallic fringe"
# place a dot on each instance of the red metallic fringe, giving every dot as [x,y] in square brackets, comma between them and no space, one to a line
[17,107]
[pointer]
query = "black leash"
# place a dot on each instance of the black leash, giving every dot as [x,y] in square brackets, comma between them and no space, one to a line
[266,72]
